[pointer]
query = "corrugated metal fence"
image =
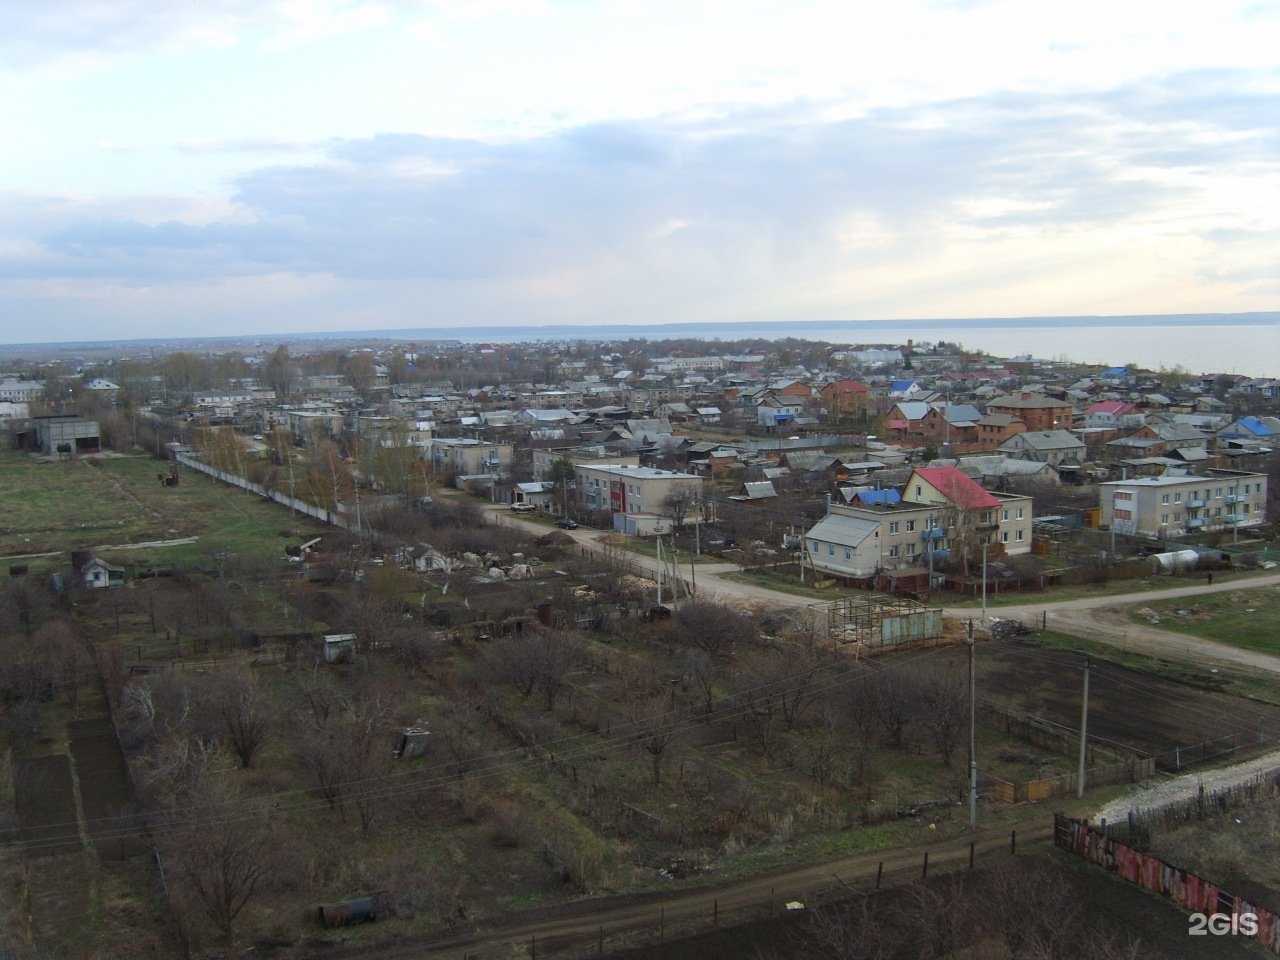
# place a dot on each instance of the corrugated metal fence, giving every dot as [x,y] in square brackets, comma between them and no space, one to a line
[1188,890]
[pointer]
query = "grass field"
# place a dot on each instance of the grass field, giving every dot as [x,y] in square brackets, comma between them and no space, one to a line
[1249,619]
[113,504]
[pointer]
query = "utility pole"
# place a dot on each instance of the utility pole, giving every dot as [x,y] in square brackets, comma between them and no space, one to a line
[1084,726]
[658,547]
[675,576]
[973,740]
[984,582]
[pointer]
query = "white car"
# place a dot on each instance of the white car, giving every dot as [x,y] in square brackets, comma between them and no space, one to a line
[523,507]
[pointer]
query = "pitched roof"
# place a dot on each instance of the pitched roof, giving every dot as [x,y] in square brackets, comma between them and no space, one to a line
[956,487]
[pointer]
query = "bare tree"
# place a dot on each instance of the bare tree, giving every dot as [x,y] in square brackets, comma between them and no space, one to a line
[655,724]
[944,709]
[216,847]
[245,717]
[894,704]
[714,628]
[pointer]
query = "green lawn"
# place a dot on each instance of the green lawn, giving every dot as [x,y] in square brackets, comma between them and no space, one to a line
[1246,618]
[58,506]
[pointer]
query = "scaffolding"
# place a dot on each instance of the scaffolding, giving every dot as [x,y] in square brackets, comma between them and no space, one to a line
[876,620]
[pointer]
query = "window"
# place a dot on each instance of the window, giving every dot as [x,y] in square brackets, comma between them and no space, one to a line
[1018,537]
[1164,519]
[831,549]
[1177,516]
[1005,517]
[1004,536]
[893,526]
[1020,513]
[1124,514]
[911,526]
[1177,498]
[919,491]
[813,546]
[1165,499]
[893,551]
[848,554]
[1123,495]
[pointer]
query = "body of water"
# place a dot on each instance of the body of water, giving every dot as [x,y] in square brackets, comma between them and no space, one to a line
[1241,343]
[1247,344]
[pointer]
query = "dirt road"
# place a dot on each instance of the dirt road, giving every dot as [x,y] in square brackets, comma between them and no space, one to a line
[614,918]
[1104,618]
[1100,618]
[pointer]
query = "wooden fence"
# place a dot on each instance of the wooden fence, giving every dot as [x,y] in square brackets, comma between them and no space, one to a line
[1034,791]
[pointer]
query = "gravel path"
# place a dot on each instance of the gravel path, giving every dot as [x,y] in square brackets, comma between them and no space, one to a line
[1163,793]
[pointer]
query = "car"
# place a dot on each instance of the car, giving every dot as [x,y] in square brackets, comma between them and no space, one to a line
[564,523]
[523,507]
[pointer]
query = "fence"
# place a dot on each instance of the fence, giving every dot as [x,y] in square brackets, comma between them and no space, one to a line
[1034,791]
[1056,737]
[1187,890]
[1205,805]
[298,506]
[1215,749]
[669,922]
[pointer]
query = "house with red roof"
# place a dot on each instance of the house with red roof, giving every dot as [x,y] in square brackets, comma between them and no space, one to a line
[898,540]
[845,399]
[976,515]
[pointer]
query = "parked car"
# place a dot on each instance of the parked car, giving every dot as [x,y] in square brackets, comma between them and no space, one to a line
[564,523]
[523,507]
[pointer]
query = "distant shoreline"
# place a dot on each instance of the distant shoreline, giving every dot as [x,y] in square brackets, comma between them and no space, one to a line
[891,330]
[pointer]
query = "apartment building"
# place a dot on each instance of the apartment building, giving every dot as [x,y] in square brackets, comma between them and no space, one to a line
[621,488]
[1171,506]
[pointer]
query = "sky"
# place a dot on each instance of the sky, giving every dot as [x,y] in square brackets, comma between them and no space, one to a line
[284,166]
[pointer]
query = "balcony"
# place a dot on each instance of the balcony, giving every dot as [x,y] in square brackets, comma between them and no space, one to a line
[1197,504]
[1232,498]
[937,533]
[1195,523]
[1235,517]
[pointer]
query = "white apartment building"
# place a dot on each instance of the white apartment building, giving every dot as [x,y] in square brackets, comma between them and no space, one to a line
[620,488]
[1172,506]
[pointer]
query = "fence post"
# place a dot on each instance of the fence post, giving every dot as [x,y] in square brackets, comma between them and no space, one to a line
[879,873]
[971,852]
[924,870]
[715,913]
[662,924]
[1013,842]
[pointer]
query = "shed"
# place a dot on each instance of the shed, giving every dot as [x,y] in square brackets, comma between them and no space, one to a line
[413,742]
[98,573]
[339,647]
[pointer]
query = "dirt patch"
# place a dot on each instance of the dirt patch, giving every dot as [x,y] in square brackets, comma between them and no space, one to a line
[44,795]
[105,790]
[1140,710]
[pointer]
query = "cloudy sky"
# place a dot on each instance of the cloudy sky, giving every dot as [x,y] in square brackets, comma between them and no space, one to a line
[275,166]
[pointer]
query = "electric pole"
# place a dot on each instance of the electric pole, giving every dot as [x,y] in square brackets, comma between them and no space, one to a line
[973,740]
[1084,726]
